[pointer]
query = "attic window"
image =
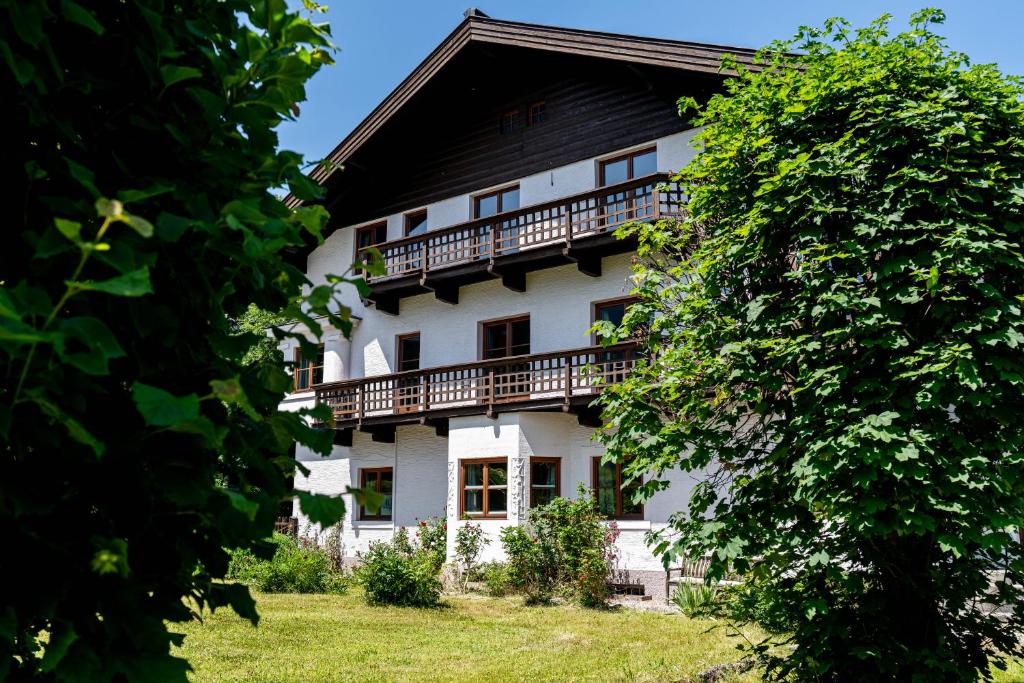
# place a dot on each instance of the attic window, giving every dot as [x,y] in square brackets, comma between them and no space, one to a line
[536,114]
[508,121]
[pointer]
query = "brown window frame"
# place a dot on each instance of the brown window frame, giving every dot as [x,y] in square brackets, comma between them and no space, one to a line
[365,229]
[484,488]
[484,324]
[531,113]
[557,462]
[406,220]
[629,156]
[309,370]
[378,517]
[477,198]
[510,115]
[595,478]
[596,306]
[399,338]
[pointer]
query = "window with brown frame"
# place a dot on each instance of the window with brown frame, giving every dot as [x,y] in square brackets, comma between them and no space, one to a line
[416,223]
[410,389]
[408,347]
[536,113]
[612,310]
[370,235]
[545,480]
[509,121]
[503,338]
[306,373]
[629,166]
[381,480]
[614,500]
[505,199]
[483,488]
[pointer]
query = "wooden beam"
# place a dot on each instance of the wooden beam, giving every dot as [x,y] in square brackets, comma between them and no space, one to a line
[449,294]
[379,433]
[343,437]
[387,305]
[514,280]
[588,263]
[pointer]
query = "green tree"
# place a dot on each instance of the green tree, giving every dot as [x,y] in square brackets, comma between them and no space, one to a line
[834,344]
[140,159]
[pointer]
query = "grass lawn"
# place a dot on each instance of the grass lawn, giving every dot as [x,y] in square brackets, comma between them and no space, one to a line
[338,638]
[311,638]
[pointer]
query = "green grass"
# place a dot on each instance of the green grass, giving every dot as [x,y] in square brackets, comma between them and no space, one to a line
[312,638]
[338,638]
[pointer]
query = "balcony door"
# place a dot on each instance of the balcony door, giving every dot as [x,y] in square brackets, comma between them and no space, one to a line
[504,339]
[627,205]
[409,389]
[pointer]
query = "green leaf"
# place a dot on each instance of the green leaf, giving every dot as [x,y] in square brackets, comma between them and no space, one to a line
[62,635]
[163,409]
[111,557]
[231,391]
[369,498]
[109,208]
[77,14]
[247,507]
[84,176]
[175,73]
[70,229]
[94,344]
[138,224]
[135,283]
[75,429]
[321,509]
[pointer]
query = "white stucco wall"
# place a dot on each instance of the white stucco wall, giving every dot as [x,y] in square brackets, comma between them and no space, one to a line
[558,301]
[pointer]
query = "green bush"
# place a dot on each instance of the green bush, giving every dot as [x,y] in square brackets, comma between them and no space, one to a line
[496,578]
[469,543]
[565,545]
[390,576]
[432,538]
[295,567]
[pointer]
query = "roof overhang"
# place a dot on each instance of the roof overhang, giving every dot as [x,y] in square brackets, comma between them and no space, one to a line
[674,54]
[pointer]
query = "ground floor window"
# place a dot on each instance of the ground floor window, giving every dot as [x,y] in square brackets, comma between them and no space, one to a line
[613,498]
[381,480]
[484,488]
[308,371]
[545,480]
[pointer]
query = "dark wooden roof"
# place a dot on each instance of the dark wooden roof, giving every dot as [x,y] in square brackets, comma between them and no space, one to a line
[674,54]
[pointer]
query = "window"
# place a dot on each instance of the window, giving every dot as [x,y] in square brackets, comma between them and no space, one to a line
[614,500]
[503,338]
[629,166]
[496,202]
[415,223]
[370,235]
[408,352]
[381,480]
[484,488]
[306,372]
[536,114]
[509,120]
[612,311]
[545,480]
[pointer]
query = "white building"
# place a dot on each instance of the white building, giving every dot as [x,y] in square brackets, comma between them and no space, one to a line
[491,180]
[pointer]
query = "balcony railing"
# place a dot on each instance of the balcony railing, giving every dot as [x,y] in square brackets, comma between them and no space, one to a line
[482,386]
[563,221]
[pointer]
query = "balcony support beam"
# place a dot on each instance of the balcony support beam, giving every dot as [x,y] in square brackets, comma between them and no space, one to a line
[439,424]
[387,304]
[511,278]
[380,433]
[449,294]
[343,437]
[588,263]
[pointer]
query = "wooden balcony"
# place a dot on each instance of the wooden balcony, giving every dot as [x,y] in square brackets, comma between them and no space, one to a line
[562,381]
[577,229]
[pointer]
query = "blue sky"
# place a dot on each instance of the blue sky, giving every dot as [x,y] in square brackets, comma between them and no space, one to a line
[382,41]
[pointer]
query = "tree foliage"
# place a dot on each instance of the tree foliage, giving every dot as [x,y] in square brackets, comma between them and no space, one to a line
[834,339]
[141,157]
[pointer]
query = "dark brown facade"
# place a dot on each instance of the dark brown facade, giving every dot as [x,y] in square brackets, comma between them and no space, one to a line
[450,140]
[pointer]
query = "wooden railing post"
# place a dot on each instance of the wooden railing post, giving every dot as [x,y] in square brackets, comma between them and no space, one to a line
[568,379]
[425,388]
[361,401]
[490,391]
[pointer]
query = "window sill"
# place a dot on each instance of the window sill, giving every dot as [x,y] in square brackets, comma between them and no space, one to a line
[631,524]
[374,524]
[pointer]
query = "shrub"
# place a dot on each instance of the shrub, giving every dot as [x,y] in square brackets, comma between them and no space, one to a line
[432,538]
[294,567]
[565,545]
[696,599]
[390,576]
[469,543]
[495,577]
